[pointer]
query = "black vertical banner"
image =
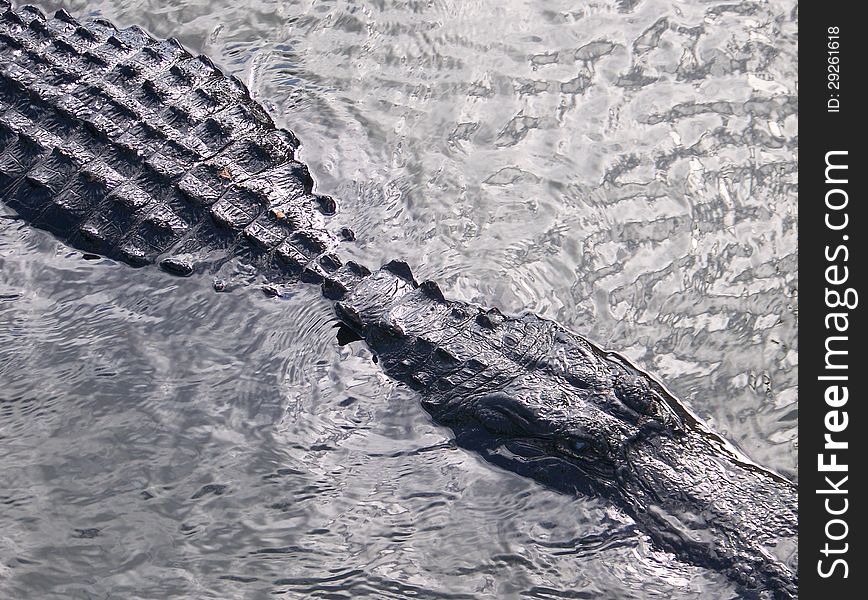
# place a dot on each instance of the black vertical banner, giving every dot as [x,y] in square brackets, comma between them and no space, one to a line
[832,426]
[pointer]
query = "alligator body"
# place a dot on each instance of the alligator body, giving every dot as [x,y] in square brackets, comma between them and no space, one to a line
[133,148]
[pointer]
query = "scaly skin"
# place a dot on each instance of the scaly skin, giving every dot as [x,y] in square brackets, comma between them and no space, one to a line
[542,401]
[133,148]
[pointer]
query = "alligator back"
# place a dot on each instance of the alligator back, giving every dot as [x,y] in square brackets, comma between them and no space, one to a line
[133,148]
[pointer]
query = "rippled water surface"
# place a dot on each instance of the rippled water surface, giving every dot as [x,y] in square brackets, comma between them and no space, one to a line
[627,168]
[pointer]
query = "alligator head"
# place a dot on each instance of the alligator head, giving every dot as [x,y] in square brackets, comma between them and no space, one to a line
[525,389]
[567,418]
[533,397]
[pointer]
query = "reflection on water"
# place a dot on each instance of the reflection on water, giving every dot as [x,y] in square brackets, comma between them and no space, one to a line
[627,168]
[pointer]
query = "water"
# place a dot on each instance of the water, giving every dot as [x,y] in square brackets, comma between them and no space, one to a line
[634,181]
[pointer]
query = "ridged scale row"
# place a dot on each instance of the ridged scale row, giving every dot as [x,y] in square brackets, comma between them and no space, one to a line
[133,148]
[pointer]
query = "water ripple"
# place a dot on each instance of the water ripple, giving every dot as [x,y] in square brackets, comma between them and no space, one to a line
[628,168]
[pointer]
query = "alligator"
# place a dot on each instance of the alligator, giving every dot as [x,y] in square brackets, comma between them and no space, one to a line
[133,148]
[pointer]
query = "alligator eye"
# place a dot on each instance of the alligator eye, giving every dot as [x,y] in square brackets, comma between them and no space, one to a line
[580,447]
